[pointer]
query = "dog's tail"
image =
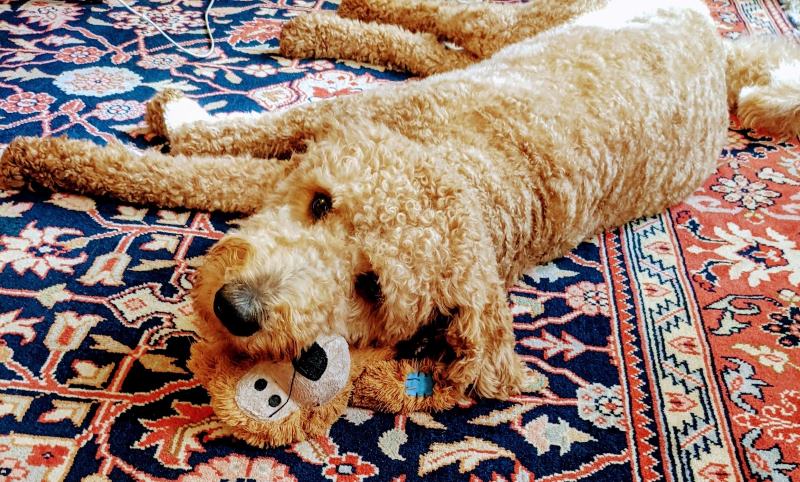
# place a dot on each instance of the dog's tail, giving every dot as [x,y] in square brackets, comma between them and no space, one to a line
[763,76]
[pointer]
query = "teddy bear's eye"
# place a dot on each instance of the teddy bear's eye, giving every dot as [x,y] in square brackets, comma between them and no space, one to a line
[321,204]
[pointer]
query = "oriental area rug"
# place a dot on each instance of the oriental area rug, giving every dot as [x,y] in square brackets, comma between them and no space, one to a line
[671,345]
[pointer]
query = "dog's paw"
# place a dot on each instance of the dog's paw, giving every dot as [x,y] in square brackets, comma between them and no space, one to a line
[169,110]
[154,114]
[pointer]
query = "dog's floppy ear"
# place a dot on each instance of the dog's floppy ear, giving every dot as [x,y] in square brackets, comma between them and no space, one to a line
[482,338]
[480,330]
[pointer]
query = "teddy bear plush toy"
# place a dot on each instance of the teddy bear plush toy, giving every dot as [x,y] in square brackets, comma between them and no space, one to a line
[272,403]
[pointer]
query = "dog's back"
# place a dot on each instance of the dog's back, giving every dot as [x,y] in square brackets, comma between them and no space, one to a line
[603,123]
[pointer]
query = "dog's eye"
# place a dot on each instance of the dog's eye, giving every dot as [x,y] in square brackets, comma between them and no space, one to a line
[321,203]
[368,287]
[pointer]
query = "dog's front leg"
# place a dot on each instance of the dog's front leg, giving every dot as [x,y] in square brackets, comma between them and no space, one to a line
[190,130]
[232,184]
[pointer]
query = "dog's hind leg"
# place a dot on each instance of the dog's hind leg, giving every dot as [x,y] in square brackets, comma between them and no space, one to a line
[480,28]
[232,184]
[324,35]
[763,77]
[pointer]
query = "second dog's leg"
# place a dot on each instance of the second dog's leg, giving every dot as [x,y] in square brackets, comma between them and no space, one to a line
[449,20]
[481,28]
[232,184]
[324,35]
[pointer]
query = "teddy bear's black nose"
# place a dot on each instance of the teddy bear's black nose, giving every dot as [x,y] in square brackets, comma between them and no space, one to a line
[312,363]
[235,313]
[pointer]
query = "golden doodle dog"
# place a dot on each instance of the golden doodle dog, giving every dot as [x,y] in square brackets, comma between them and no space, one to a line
[373,214]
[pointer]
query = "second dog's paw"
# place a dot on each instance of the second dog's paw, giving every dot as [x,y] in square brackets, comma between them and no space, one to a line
[303,36]
[291,42]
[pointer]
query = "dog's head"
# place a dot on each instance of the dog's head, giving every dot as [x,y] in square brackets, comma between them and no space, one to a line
[371,237]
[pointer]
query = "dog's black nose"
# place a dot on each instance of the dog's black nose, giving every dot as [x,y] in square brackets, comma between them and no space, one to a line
[238,319]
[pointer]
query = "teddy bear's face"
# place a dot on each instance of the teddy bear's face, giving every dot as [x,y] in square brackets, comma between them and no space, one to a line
[271,391]
[259,394]
[274,403]
[369,240]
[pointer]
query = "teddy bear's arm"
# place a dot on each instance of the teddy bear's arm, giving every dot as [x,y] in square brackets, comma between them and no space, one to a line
[403,386]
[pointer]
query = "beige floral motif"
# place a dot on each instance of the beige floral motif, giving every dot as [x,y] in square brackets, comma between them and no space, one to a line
[38,250]
[162,62]
[75,412]
[49,13]
[239,467]
[775,359]
[166,216]
[779,422]
[468,453]
[12,324]
[129,213]
[542,434]
[602,405]
[107,270]
[68,330]
[741,190]
[391,441]
[758,257]
[161,241]
[13,210]
[590,298]
[89,374]
[425,419]
[73,202]
[260,70]
[97,81]
[14,405]
[119,110]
